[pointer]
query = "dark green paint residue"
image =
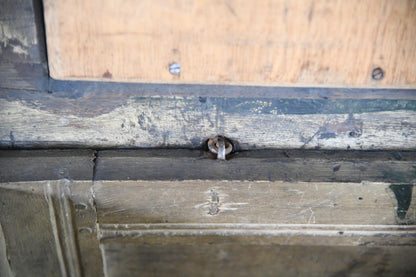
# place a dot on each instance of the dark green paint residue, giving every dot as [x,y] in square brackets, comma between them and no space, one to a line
[288,106]
[398,176]
[403,193]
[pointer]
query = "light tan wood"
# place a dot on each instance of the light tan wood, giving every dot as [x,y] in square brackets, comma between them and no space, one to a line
[256,42]
[127,202]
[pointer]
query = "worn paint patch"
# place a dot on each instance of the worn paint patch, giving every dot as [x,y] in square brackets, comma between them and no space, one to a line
[403,193]
[311,106]
[351,126]
[400,177]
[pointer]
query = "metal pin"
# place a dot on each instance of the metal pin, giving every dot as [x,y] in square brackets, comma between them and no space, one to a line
[220,146]
[221,149]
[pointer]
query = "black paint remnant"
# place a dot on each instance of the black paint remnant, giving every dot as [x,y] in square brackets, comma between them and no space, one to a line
[108,74]
[403,193]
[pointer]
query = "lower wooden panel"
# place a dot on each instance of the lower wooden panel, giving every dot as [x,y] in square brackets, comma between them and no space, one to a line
[30,246]
[49,229]
[218,256]
[205,228]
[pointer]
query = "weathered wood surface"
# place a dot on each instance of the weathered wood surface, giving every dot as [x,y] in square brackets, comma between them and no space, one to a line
[49,229]
[269,165]
[74,228]
[86,228]
[36,165]
[217,256]
[124,202]
[183,230]
[118,120]
[28,231]
[22,50]
[268,42]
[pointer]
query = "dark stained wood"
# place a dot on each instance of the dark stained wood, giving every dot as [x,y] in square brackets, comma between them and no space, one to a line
[271,165]
[22,50]
[110,91]
[23,76]
[50,228]
[33,165]
[28,232]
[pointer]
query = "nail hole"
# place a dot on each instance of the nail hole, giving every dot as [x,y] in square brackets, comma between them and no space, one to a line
[360,198]
[377,74]
[336,168]
[340,232]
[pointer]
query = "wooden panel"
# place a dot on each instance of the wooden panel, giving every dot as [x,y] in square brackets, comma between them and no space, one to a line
[268,42]
[22,51]
[165,228]
[49,228]
[118,120]
[34,165]
[29,237]
[126,202]
[253,228]
[270,165]
[220,257]
[86,228]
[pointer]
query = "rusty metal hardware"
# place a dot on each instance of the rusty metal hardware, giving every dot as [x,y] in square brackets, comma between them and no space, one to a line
[220,146]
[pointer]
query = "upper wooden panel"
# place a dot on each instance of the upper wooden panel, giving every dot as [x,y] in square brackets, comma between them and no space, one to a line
[262,42]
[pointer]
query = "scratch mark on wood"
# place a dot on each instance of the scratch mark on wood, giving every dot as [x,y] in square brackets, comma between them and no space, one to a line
[11,139]
[214,203]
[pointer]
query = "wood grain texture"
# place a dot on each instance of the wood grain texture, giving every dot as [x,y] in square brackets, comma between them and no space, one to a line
[22,51]
[50,228]
[178,228]
[366,203]
[268,42]
[268,165]
[85,228]
[29,237]
[39,165]
[255,123]
[220,257]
